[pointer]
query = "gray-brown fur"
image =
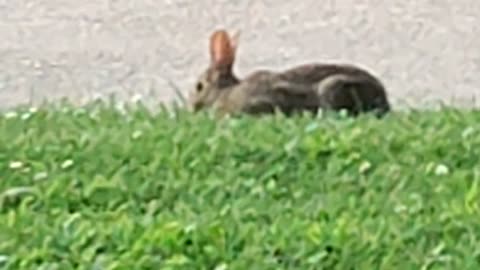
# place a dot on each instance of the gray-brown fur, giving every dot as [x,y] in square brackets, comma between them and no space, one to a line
[307,87]
[342,86]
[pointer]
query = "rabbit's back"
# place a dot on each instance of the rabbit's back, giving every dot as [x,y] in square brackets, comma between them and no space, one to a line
[342,86]
[316,72]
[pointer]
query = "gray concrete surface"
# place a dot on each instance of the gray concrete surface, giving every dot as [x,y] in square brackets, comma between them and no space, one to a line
[424,50]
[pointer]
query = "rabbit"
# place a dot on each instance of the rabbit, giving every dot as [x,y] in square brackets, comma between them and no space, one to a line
[307,87]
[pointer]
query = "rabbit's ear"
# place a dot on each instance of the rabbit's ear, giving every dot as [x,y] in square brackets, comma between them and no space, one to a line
[234,40]
[222,50]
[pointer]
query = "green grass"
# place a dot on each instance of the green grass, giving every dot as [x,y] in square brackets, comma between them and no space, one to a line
[93,188]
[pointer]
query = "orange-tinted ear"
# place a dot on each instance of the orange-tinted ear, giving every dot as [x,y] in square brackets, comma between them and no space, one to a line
[222,49]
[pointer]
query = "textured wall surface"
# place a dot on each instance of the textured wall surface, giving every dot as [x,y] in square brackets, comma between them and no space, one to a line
[424,50]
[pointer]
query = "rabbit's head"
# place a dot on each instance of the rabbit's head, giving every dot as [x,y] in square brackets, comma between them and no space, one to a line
[219,76]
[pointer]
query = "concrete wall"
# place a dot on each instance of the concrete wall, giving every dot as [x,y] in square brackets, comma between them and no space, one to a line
[424,50]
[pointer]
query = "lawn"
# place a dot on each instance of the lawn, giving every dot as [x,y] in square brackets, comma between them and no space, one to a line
[95,188]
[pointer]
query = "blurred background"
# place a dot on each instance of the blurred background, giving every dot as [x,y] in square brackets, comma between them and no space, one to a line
[425,51]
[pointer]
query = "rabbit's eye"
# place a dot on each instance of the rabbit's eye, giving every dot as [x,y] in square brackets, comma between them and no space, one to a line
[199,86]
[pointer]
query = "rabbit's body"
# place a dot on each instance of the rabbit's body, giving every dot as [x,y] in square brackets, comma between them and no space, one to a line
[264,92]
[306,87]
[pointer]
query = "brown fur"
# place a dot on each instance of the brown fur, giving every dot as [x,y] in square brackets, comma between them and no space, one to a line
[306,87]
